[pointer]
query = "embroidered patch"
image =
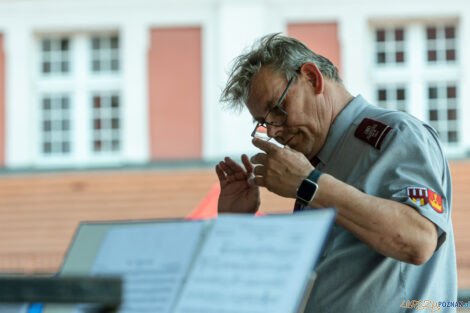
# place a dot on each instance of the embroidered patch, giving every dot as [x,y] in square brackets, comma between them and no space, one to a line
[372,132]
[418,195]
[435,201]
[423,196]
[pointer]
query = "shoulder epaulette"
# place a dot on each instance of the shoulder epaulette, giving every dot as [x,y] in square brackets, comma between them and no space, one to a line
[373,132]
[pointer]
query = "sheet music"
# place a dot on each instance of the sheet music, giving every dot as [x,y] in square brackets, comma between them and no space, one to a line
[152,259]
[255,265]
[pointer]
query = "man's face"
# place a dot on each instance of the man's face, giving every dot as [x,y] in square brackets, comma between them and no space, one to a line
[308,116]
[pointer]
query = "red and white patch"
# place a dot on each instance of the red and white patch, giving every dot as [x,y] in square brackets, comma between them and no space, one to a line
[435,201]
[423,196]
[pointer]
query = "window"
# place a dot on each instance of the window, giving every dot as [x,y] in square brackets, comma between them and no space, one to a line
[55,56]
[443,110]
[55,124]
[392,97]
[105,54]
[106,122]
[390,45]
[415,69]
[79,110]
[441,44]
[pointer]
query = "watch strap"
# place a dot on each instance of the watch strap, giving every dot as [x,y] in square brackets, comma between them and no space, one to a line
[315,175]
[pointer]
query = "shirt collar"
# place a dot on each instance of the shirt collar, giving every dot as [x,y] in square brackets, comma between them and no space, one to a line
[340,125]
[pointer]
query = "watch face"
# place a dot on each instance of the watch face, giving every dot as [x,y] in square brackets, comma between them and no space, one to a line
[307,190]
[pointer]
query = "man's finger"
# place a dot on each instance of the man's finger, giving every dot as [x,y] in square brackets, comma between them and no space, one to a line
[264,145]
[258,181]
[259,170]
[234,166]
[247,163]
[259,158]
[220,173]
[225,168]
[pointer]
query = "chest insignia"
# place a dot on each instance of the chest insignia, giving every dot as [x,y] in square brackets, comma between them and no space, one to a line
[373,132]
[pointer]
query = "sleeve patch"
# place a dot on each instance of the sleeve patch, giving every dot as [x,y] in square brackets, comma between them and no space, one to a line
[423,196]
[373,132]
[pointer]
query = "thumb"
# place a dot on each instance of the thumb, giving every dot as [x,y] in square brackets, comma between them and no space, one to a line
[251,180]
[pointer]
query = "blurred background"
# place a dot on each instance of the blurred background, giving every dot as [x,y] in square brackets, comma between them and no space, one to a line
[109,109]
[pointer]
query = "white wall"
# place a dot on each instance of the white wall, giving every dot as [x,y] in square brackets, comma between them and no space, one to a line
[228,26]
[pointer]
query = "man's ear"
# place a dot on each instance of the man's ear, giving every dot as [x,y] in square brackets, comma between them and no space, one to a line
[314,76]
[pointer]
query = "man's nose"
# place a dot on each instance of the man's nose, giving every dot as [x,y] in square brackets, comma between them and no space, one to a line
[273,131]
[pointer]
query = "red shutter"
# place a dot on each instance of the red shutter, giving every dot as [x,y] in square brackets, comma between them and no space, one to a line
[2,104]
[175,97]
[321,38]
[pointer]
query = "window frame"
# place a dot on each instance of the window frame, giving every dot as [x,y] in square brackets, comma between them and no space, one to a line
[80,83]
[390,46]
[70,56]
[390,86]
[417,72]
[440,105]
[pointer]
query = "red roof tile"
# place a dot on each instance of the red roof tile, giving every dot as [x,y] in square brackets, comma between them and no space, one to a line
[40,212]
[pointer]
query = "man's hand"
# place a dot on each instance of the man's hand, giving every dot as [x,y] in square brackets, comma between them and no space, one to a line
[280,170]
[236,194]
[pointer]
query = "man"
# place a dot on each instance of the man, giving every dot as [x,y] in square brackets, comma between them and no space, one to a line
[384,172]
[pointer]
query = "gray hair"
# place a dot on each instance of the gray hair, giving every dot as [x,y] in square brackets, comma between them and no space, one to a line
[284,55]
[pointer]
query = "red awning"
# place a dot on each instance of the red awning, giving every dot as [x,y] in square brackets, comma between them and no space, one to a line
[207,209]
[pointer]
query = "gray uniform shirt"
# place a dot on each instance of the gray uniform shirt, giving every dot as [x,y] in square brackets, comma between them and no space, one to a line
[406,165]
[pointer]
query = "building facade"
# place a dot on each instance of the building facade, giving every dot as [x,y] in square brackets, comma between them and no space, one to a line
[97,83]
[92,83]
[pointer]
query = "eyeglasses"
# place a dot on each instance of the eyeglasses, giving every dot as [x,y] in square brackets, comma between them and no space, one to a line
[275,116]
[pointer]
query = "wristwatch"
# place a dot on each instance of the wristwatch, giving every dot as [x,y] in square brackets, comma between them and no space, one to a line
[308,188]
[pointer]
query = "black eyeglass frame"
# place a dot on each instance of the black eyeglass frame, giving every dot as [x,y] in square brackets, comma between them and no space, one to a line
[276,107]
